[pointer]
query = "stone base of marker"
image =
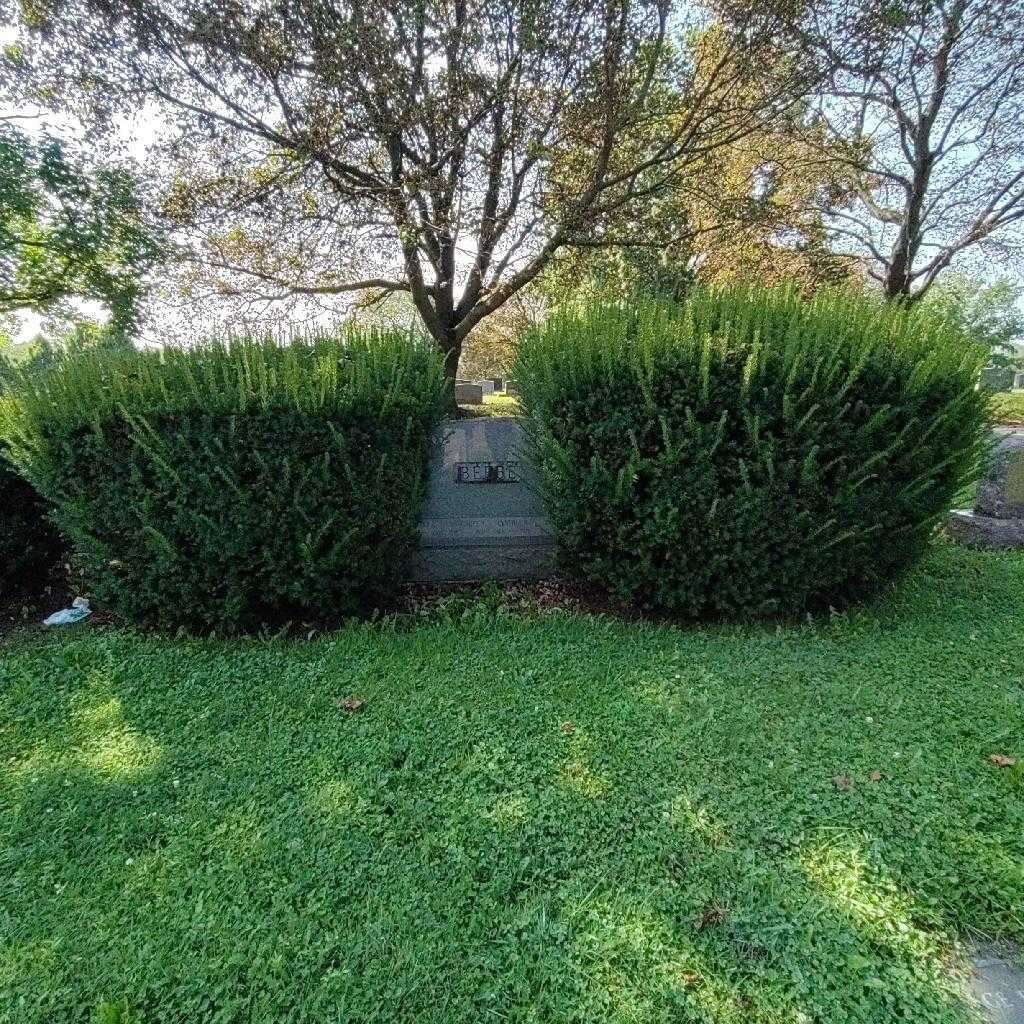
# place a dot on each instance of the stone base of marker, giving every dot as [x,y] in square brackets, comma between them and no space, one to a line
[975,531]
[997,519]
[487,548]
[483,517]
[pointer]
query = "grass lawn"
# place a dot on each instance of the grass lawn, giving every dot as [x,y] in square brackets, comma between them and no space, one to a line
[495,405]
[534,816]
[1008,407]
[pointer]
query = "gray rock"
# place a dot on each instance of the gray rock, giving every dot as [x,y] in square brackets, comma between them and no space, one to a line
[979,531]
[997,519]
[483,517]
[997,982]
[1001,492]
[469,394]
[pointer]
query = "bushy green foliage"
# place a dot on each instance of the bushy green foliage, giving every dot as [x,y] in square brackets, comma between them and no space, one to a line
[749,451]
[235,484]
[29,544]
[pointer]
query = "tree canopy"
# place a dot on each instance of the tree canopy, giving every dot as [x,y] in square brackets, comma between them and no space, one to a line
[927,100]
[326,147]
[66,232]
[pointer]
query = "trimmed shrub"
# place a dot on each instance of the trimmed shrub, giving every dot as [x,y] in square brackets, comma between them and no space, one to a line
[29,545]
[749,452]
[239,484]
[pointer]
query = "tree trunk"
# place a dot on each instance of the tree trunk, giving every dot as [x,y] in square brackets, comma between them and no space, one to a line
[452,354]
[451,349]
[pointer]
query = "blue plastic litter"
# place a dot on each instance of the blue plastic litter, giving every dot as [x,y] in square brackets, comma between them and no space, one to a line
[79,610]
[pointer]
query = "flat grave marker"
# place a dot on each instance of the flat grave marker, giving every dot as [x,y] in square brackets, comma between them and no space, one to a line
[483,517]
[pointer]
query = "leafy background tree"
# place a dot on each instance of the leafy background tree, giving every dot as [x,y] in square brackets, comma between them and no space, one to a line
[924,106]
[990,313]
[322,148]
[753,209]
[69,233]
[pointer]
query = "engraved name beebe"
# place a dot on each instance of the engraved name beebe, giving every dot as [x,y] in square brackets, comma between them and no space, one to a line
[506,471]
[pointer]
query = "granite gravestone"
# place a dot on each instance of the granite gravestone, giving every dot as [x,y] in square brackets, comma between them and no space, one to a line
[997,519]
[487,384]
[467,393]
[483,517]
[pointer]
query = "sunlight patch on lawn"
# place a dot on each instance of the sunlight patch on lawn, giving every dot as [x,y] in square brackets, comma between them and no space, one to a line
[683,813]
[335,799]
[509,810]
[112,749]
[636,956]
[576,771]
[101,744]
[121,753]
[873,903]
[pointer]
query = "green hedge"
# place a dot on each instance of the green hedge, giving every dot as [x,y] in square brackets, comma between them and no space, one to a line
[749,452]
[29,545]
[233,485]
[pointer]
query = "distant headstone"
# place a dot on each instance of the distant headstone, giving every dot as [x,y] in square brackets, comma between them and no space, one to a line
[999,378]
[498,382]
[468,394]
[487,384]
[511,388]
[997,519]
[483,517]
[1018,380]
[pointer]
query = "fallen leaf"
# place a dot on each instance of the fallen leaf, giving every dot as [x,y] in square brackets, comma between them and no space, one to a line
[568,727]
[690,979]
[714,913]
[1002,760]
[875,776]
[842,781]
[350,704]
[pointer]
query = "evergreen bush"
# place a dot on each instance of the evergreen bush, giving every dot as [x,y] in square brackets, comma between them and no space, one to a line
[749,451]
[235,484]
[29,545]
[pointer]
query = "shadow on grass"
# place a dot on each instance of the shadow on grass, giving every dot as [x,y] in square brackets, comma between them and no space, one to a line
[546,818]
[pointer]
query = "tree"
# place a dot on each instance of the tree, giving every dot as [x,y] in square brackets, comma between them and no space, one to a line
[927,100]
[330,147]
[748,210]
[67,233]
[990,314]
